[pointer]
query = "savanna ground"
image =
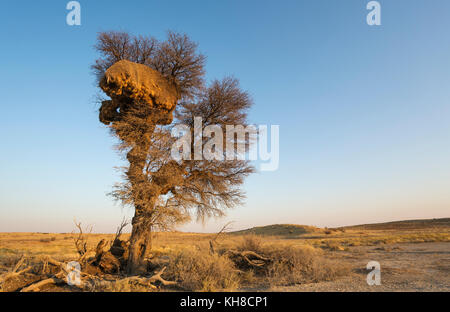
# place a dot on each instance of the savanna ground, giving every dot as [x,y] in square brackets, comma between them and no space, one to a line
[414,256]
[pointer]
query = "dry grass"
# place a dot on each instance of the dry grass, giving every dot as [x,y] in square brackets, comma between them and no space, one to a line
[291,264]
[197,270]
[302,265]
[61,245]
[297,258]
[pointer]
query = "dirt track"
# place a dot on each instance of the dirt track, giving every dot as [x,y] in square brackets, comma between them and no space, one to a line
[404,267]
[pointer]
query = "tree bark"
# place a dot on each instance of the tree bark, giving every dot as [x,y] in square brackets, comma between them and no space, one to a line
[139,243]
[141,222]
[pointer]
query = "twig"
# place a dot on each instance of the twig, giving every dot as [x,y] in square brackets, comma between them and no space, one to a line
[120,228]
[226,227]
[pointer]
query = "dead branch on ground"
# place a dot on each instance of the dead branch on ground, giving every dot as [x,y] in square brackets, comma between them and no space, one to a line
[248,257]
[15,272]
[148,281]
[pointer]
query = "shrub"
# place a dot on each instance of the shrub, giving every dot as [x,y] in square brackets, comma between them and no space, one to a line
[251,242]
[198,270]
[301,265]
[291,264]
[333,246]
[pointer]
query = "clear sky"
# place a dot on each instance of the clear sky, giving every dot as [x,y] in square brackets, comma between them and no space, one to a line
[364,111]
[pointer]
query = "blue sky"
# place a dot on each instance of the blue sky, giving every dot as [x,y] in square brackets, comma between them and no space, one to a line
[364,112]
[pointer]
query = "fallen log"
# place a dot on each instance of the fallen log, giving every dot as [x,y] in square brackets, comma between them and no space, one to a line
[148,281]
[57,279]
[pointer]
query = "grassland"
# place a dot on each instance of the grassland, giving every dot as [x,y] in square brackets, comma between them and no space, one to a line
[304,255]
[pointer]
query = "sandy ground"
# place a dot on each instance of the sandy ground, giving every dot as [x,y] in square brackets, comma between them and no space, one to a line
[404,267]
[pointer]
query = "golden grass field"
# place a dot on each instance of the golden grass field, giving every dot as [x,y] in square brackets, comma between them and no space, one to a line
[331,255]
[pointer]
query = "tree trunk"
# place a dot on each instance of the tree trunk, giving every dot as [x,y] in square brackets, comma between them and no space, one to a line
[141,223]
[139,243]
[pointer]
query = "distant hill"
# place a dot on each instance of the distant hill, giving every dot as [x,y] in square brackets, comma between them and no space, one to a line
[295,230]
[279,230]
[403,225]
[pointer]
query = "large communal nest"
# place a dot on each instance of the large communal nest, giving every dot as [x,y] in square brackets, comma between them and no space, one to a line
[128,83]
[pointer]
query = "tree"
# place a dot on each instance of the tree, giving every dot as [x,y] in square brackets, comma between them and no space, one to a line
[149,82]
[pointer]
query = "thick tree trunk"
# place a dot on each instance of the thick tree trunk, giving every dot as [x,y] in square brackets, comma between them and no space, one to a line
[139,243]
[141,223]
